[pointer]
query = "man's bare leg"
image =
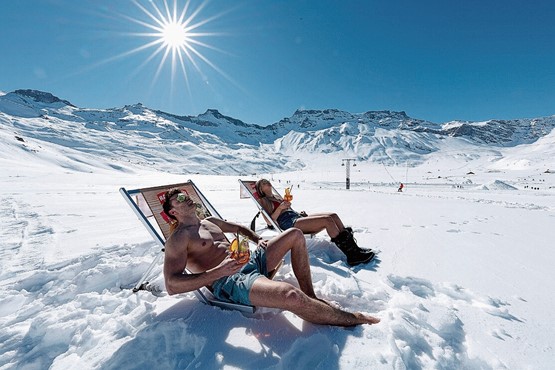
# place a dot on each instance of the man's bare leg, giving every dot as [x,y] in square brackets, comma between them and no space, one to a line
[310,308]
[275,294]
[292,240]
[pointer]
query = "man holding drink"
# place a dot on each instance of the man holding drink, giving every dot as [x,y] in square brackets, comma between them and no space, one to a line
[201,247]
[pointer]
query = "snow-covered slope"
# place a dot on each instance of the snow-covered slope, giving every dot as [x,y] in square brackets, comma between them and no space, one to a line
[132,134]
[212,143]
[461,279]
[502,132]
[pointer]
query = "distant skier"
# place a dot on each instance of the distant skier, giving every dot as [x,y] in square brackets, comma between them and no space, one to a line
[401,187]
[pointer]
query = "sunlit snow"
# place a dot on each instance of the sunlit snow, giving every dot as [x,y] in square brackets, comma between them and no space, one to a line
[463,278]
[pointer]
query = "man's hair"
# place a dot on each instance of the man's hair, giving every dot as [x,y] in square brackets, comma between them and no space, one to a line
[167,205]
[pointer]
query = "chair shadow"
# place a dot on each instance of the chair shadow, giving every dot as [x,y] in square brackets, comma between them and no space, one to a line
[190,334]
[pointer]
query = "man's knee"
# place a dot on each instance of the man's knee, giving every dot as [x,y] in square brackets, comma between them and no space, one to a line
[297,234]
[293,297]
[294,236]
[297,238]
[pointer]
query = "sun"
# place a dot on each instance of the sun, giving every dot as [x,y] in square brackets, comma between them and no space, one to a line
[174,35]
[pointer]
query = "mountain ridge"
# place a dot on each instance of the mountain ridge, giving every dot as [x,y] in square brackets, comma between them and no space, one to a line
[381,136]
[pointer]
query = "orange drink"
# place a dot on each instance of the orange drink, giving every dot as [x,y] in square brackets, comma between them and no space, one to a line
[288,196]
[239,249]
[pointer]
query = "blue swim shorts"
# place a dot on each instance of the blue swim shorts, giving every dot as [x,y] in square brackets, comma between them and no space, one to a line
[287,219]
[236,288]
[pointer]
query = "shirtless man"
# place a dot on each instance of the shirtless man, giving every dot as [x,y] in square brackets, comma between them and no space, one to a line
[201,246]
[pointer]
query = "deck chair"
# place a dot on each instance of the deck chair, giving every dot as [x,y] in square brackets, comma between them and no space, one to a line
[248,190]
[147,205]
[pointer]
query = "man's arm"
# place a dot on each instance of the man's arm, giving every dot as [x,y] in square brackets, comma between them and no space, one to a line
[232,227]
[175,261]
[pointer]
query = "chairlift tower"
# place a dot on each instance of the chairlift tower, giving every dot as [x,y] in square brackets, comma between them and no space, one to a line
[348,171]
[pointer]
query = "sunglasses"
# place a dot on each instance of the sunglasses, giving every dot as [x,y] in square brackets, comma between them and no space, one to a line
[182,197]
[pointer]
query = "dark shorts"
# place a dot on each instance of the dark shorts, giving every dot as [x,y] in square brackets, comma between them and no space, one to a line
[287,219]
[236,288]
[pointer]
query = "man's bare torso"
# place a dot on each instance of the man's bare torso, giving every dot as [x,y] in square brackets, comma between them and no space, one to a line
[207,246]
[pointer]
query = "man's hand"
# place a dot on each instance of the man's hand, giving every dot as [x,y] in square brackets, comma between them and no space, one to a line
[228,267]
[262,243]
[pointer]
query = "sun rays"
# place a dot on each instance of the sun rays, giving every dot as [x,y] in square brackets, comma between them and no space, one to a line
[174,36]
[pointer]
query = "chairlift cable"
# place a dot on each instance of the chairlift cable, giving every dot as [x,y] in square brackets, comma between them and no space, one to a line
[389,173]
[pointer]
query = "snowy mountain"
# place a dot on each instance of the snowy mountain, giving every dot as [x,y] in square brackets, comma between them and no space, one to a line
[464,252]
[217,144]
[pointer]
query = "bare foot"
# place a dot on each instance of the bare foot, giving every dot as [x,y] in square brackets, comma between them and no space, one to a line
[366,319]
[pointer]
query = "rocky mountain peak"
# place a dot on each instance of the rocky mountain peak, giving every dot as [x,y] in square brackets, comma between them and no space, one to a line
[41,96]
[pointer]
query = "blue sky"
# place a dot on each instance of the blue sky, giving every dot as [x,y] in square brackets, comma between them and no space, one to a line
[436,60]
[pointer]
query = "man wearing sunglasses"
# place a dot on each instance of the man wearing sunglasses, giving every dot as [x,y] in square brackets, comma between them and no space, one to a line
[201,247]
